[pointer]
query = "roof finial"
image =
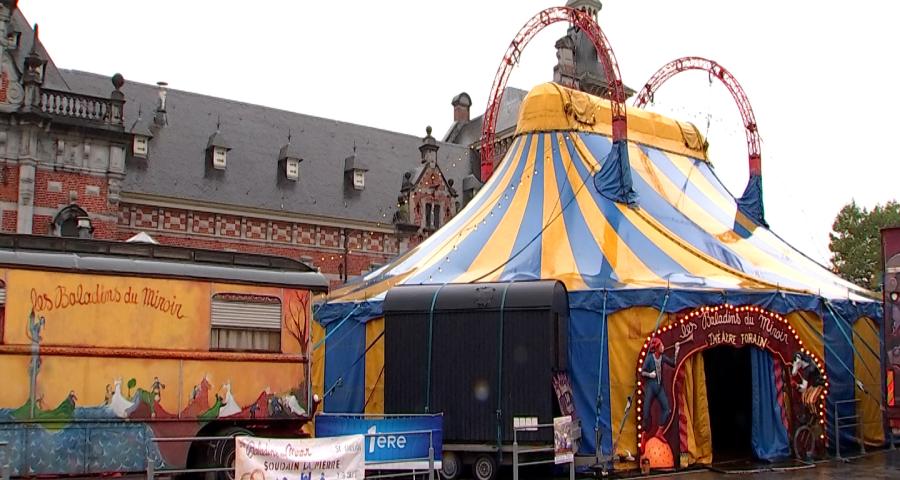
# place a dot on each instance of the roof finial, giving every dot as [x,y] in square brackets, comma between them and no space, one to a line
[289,135]
[354,146]
[218,121]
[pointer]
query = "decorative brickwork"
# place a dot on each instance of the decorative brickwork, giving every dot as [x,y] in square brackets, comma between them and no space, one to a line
[175,220]
[202,222]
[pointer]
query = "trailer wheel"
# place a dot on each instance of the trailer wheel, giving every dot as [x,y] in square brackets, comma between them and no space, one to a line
[485,467]
[225,452]
[451,466]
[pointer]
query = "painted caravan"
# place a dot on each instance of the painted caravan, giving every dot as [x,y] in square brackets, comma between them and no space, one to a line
[105,346]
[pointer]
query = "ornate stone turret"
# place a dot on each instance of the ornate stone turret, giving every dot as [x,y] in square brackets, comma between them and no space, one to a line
[577,63]
[429,148]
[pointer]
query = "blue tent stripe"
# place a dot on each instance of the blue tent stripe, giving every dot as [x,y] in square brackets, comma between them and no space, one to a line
[592,265]
[650,254]
[471,245]
[345,381]
[668,168]
[525,263]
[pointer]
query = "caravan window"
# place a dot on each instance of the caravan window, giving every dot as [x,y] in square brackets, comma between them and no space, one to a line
[248,323]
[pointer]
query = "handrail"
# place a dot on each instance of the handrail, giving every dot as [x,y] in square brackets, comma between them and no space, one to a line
[517,451]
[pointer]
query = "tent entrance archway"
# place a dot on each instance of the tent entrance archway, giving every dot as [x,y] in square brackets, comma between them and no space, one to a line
[729,394]
[667,366]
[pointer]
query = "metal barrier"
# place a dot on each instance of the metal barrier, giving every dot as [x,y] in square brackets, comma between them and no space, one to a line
[526,450]
[151,462]
[152,472]
[856,422]
[413,473]
[4,461]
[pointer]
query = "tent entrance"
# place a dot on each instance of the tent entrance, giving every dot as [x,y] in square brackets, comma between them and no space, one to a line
[729,392]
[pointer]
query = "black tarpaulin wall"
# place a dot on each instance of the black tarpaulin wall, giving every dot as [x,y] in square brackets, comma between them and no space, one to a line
[481,354]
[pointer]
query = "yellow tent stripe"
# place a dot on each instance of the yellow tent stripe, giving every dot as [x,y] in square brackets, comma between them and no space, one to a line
[675,196]
[628,266]
[557,259]
[499,246]
[691,260]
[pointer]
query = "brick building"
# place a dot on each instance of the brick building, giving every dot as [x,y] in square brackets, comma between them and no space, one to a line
[83,154]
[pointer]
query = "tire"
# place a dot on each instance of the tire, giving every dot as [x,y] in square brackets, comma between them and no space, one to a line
[451,466]
[224,451]
[485,467]
[804,443]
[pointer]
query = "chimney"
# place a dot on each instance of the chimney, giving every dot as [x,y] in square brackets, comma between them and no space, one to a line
[461,104]
[160,118]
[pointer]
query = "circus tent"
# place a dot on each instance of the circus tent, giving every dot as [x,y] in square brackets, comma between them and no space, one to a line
[629,269]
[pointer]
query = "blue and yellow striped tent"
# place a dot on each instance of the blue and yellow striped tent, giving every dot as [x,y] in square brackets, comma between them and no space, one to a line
[684,243]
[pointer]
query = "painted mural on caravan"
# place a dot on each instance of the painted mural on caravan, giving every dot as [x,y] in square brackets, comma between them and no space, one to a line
[94,366]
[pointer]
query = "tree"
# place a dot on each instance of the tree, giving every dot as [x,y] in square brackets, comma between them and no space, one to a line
[855,242]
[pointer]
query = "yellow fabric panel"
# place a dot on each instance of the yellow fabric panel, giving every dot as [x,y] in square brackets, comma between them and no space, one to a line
[809,329]
[316,334]
[699,431]
[866,338]
[375,366]
[557,259]
[627,329]
[549,107]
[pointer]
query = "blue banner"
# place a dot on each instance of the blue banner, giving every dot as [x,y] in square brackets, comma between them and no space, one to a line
[393,442]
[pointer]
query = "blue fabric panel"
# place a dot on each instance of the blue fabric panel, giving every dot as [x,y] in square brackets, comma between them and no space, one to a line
[327,313]
[525,258]
[613,181]
[840,370]
[665,165]
[346,347]
[593,266]
[751,202]
[586,329]
[769,436]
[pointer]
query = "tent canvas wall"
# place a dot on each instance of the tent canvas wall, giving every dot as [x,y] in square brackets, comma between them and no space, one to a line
[628,269]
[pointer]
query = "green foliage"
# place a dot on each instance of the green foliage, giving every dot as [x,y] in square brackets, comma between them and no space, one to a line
[131,384]
[855,242]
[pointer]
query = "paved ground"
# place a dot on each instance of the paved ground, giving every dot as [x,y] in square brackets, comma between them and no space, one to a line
[878,465]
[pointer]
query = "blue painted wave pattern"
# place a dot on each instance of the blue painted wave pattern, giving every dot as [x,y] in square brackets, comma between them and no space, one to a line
[90,443]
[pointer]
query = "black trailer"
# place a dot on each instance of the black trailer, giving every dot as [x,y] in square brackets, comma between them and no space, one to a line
[484,355]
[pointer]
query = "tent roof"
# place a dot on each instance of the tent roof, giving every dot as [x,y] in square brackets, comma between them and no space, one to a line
[540,217]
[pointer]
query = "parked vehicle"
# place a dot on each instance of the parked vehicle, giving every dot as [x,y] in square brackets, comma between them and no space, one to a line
[107,345]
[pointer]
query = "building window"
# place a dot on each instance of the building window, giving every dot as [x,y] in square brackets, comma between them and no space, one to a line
[73,221]
[427,215]
[245,323]
[432,216]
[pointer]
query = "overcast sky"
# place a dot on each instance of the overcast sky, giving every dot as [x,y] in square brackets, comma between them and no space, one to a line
[819,74]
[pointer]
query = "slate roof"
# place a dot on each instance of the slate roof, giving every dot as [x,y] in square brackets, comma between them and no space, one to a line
[470,132]
[176,165]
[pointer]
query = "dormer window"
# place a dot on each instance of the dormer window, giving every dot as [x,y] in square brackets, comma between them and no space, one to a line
[359,179]
[355,172]
[288,164]
[140,146]
[217,150]
[220,157]
[292,169]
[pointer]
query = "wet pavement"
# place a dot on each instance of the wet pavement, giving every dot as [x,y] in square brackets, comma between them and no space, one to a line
[883,464]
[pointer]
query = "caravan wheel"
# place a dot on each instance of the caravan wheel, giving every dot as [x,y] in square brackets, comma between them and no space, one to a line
[485,467]
[451,466]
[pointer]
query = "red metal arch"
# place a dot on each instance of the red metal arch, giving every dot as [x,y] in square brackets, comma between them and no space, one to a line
[586,23]
[674,67]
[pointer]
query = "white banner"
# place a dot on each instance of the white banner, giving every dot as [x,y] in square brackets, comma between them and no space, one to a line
[332,458]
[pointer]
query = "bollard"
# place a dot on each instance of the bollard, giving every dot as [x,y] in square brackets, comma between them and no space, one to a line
[431,455]
[515,456]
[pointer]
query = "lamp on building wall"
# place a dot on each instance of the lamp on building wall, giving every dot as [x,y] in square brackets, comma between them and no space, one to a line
[85,228]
